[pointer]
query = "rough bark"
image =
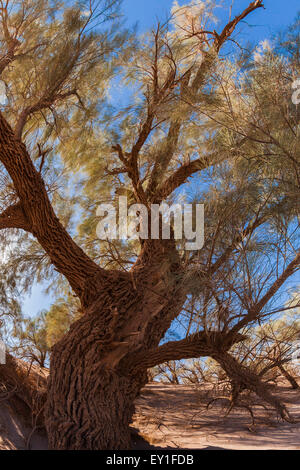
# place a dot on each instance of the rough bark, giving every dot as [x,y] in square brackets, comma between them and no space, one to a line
[91,389]
[90,400]
[202,344]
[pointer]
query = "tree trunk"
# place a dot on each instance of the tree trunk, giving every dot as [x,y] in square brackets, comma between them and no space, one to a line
[89,404]
[91,410]
[289,378]
[91,388]
[90,399]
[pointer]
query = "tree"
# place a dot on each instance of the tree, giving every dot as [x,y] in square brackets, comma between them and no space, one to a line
[32,337]
[35,336]
[179,127]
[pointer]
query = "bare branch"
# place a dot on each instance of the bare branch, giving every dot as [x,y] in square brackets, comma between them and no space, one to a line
[179,177]
[254,312]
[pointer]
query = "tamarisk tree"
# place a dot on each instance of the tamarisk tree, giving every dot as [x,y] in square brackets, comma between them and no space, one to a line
[57,63]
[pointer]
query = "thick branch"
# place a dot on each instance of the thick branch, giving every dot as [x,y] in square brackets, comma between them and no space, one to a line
[219,41]
[230,27]
[197,345]
[179,177]
[26,387]
[68,258]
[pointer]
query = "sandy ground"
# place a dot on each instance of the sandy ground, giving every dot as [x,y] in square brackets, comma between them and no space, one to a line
[15,436]
[176,416]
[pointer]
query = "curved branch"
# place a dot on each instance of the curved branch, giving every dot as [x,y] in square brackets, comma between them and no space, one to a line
[197,345]
[65,254]
[230,27]
[163,158]
[43,103]
[242,376]
[179,177]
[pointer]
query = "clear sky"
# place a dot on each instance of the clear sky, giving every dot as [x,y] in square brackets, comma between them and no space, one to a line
[262,24]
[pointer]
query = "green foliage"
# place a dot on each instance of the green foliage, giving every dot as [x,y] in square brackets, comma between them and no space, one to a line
[59,318]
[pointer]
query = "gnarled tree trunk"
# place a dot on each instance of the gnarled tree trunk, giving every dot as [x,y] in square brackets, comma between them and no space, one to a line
[89,406]
[92,384]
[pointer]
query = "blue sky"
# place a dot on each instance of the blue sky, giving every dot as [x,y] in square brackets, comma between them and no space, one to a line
[262,24]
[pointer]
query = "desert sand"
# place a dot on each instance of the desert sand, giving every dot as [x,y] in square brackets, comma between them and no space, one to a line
[176,416]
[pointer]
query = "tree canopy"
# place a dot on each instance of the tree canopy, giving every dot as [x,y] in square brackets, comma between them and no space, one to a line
[203,119]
